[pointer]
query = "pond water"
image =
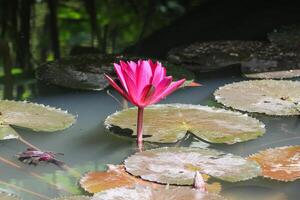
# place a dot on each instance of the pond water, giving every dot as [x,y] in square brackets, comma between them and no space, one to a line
[87,145]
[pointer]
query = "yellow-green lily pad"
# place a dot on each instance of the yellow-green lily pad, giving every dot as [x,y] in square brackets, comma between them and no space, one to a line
[168,123]
[33,116]
[271,97]
[147,193]
[177,165]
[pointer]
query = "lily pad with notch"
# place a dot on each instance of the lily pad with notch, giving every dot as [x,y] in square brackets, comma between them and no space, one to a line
[169,123]
[36,117]
[177,165]
[116,176]
[271,97]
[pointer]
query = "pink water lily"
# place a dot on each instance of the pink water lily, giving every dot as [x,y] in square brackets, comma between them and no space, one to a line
[143,83]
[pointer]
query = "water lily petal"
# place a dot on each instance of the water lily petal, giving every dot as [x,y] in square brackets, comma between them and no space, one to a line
[143,75]
[159,74]
[115,85]
[120,75]
[146,95]
[172,87]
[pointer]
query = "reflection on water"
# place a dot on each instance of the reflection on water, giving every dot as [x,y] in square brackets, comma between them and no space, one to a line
[87,145]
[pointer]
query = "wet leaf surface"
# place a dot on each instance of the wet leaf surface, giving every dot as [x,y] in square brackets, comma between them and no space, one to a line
[177,165]
[98,181]
[7,132]
[32,116]
[147,193]
[272,97]
[281,163]
[169,123]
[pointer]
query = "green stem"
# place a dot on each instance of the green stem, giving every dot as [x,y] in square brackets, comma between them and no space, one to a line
[140,128]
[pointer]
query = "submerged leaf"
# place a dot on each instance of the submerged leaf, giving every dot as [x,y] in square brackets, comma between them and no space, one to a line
[7,132]
[281,163]
[73,198]
[33,116]
[147,193]
[250,192]
[176,165]
[8,196]
[169,123]
[272,97]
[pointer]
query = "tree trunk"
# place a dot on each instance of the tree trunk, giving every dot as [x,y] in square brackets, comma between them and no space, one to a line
[23,54]
[90,6]
[7,64]
[52,4]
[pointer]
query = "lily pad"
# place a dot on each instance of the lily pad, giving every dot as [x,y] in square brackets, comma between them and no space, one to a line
[32,116]
[147,193]
[281,163]
[177,165]
[7,132]
[73,198]
[8,196]
[283,74]
[114,177]
[168,123]
[94,182]
[272,97]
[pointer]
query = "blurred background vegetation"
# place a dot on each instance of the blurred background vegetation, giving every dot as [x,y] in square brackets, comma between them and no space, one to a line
[35,31]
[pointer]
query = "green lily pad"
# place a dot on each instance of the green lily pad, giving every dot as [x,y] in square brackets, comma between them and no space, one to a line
[32,116]
[272,97]
[177,165]
[8,196]
[73,198]
[147,193]
[7,132]
[168,123]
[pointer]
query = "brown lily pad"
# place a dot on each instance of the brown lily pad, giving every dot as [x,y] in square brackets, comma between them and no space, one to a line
[147,193]
[272,97]
[177,165]
[116,176]
[281,163]
[168,123]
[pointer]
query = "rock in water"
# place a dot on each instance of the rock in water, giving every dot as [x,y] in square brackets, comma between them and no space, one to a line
[272,62]
[78,72]
[214,55]
[86,71]
[287,37]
